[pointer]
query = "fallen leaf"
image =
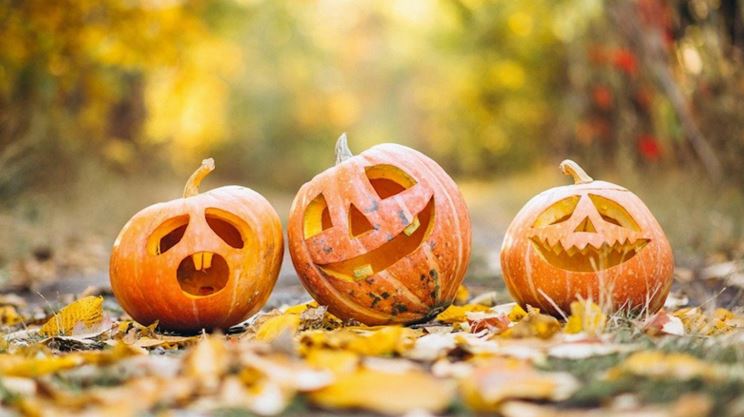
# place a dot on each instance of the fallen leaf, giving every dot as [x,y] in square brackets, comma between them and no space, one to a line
[533,324]
[499,379]
[83,314]
[586,317]
[664,323]
[274,326]
[386,392]
[656,364]
[455,313]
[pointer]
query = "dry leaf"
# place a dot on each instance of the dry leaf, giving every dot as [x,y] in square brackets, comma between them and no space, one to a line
[534,324]
[9,316]
[456,314]
[587,317]
[83,314]
[664,323]
[274,326]
[655,364]
[504,378]
[386,392]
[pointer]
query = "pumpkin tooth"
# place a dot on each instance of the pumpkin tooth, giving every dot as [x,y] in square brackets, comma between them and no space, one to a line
[207,257]
[197,259]
[363,271]
[415,223]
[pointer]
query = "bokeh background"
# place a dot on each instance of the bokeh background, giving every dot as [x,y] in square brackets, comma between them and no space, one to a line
[106,106]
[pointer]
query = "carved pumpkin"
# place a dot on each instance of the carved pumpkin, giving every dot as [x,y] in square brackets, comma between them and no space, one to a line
[206,260]
[382,237]
[592,239]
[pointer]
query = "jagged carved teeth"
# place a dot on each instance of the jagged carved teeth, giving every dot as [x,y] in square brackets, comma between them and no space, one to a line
[622,248]
[202,260]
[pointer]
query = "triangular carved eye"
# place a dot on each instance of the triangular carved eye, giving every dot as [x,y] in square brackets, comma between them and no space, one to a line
[317,217]
[167,235]
[358,222]
[388,180]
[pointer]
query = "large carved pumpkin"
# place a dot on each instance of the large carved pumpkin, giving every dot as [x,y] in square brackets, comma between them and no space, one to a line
[592,239]
[382,237]
[202,261]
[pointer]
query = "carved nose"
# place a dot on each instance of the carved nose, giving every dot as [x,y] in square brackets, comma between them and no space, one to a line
[586,225]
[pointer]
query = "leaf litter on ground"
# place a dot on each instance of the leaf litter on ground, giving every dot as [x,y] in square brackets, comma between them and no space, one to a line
[473,357]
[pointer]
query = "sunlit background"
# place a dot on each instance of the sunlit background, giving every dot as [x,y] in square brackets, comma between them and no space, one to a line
[106,106]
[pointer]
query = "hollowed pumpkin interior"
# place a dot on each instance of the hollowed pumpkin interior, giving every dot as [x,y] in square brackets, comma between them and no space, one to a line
[379,259]
[202,273]
[590,258]
[225,225]
[167,235]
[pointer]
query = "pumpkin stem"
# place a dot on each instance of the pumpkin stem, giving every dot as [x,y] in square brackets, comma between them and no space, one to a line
[342,149]
[192,185]
[573,169]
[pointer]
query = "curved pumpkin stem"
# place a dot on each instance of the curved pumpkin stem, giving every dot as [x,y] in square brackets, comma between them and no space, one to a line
[573,169]
[192,185]
[342,149]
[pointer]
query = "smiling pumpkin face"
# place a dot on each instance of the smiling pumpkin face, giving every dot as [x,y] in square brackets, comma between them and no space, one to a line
[592,239]
[206,260]
[382,237]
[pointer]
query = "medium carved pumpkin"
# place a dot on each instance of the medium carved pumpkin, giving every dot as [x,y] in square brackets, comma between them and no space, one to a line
[382,237]
[206,260]
[592,239]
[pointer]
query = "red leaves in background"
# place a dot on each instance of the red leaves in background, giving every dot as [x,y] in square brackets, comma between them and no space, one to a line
[602,97]
[624,60]
[649,147]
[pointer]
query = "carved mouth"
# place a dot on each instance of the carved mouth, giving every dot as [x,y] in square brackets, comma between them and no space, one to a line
[202,273]
[590,258]
[379,259]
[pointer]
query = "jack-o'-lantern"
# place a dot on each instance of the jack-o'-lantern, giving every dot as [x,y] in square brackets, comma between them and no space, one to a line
[592,239]
[381,237]
[206,260]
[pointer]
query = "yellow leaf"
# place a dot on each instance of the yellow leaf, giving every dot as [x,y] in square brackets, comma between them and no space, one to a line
[455,314]
[534,324]
[274,326]
[500,379]
[336,361]
[300,308]
[15,365]
[655,364]
[9,316]
[85,312]
[386,392]
[462,296]
[587,317]
[372,341]
[517,313]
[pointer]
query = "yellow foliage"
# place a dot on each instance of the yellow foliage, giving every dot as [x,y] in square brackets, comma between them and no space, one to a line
[16,365]
[83,313]
[372,341]
[517,313]
[587,317]
[534,324]
[274,326]
[454,313]
[386,392]
[462,296]
[336,361]
[655,364]
[9,316]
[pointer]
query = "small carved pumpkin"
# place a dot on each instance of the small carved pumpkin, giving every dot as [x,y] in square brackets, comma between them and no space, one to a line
[206,260]
[382,237]
[592,239]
